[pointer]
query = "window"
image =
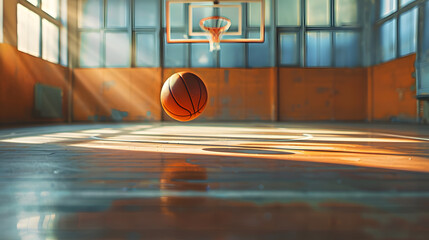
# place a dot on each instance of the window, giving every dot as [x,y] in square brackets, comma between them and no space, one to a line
[1,21]
[146,50]
[40,36]
[288,12]
[346,12]
[289,49]
[406,2]
[50,43]
[318,51]
[318,12]
[28,28]
[387,7]
[232,55]
[109,37]
[388,40]
[408,32]
[347,49]
[51,7]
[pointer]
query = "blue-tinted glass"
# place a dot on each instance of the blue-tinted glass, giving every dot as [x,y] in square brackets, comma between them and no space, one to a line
[177,15]
[259,53]
[232,55]
[408,32]
[117,13]
[388,40]
[146,13]
[318,12]
[387,7]
[89,13]
[318,51]
[254,13]
[198,14]
[146,50]
[406,2]
[347,49]
[89,49]
[175,54]
[288,12]
[346,12]
[424,56]
[63,12]
[201,55]
[117,49]
[289,49]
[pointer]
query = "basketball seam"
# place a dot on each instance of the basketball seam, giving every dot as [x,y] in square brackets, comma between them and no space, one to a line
[199,100]
[201,107]
[187,90]
[177,115]
[169,88]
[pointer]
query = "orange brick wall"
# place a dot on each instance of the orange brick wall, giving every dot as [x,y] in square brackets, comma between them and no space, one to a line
[116,94]
[237,94]
[385,92]
[392,90]
[19,72]
[322,94]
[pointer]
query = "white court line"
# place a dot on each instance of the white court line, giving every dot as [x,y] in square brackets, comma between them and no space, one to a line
[233,194]
[403,136]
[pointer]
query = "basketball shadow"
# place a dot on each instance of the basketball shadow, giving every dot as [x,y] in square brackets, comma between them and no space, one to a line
[246,151]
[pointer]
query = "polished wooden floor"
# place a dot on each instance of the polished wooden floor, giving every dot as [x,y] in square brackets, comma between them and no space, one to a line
[215,181]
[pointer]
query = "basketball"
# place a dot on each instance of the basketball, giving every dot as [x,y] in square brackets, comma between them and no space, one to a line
[184,96]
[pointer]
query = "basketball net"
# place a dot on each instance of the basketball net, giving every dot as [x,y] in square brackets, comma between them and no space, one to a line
[215,26]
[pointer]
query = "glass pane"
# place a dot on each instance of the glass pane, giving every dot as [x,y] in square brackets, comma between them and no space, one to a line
[175,54]
[64,54]
[318,12]
[90,49]
[89,13]
[117,13]
[51,7]
[28,28]
[34,2]
[50,41]
[1,21]
[288,12]
[63,12]
[408,32]
[201,55]
[177,15]
[118,49]
[232,55]
[387,7]
[146,13]
[254,13]
[388,40]
[318,51]
[424,56]
[406,2]
[146,50]
[346,12]
[289,49]
[347,49]
[259,53]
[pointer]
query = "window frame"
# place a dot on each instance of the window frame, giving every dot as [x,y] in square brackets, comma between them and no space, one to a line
[44,15]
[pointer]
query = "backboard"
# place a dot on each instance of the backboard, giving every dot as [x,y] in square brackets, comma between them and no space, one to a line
[184,20]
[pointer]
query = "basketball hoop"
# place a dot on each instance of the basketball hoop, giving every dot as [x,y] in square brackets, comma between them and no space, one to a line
[215,26]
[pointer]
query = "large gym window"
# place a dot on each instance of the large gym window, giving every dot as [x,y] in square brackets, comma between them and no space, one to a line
[42,29]
[126,33]
[397,29]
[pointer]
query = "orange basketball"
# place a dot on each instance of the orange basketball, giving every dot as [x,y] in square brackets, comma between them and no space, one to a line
[184,96]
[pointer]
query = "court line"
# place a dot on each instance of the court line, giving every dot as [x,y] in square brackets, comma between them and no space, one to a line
[234,194]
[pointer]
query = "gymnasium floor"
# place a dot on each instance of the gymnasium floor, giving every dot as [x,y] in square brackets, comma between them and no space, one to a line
[215,181]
